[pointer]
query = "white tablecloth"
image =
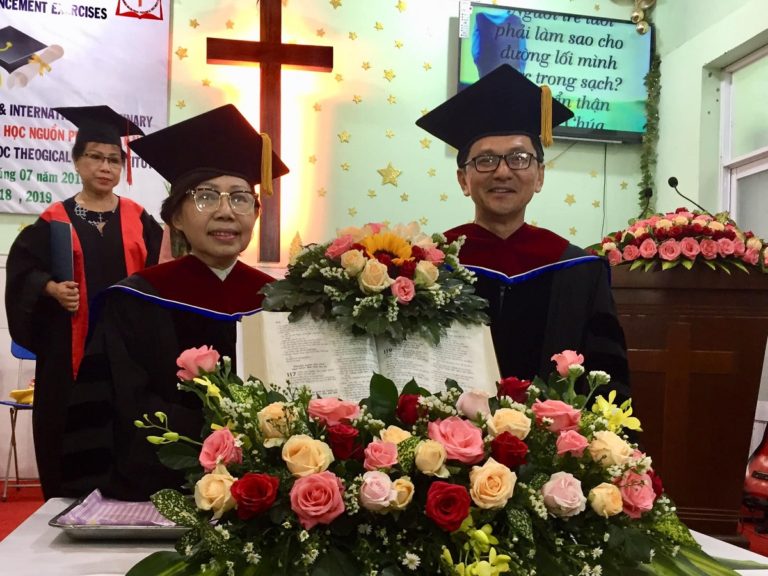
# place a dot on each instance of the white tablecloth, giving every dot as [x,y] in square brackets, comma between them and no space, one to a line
[36,549]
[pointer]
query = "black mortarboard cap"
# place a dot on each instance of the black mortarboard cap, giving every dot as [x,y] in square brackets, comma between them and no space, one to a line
[16,48]
[99,124]
[502,102]
[221,140]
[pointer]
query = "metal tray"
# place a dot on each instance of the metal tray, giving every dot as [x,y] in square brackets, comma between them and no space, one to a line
[114,532]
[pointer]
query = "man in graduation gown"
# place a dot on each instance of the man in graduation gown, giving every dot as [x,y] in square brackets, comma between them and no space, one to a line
[147,320]
[48,313]
[545,295]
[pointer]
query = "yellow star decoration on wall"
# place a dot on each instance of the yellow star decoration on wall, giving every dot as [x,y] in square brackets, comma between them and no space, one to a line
[423,220]
[389,174]
[404,197]
[597,7]
[398,44]
[431,172]
[425,142]
[371,193]
[230,25]
[389,75]
[443,197]
[570,199]
[379,26]
[180,104]
[344,137]
[317,106]
[550,164]
[352,211]
[534,222]
[389,134]
[392,99]
[181,53]
[593,173]
[596,203]
[353,35]
[427,66]
[335,3]
[193,23]
[338,78]
[206,82]
[424,111]
[401,6]
[345,166]
[322,192]
[624,185]
[320,32]
[357,98]
[312,159]
[572,231]
[366,65]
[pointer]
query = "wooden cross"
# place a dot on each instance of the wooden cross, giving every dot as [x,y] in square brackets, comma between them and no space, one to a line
[271,54]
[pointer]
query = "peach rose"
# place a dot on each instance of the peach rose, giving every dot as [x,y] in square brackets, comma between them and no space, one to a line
[425,274]
[708,248]
[725,247]
[273,422]
[614,257]
[212,491]
[716,226]
[463,440]
[669,250]
[380,455]
[563,416]
[219,447]
[739,248]
[376,492]
[473,402]
[491,485]
[754,243]
[648,248]
[430,458]
[751,256]
[332,411]
[195,360]
[605,500]
[353,262]
[404,490]
[374,278]
[394,434]
[689,247]
[562,495]
[631,252]
[317,499]
[403,289]
[571,442]
[509,420]
[663,223]
[608,246]
[565,360]
[608,449]
[636,493]
[304,455]
[339,246]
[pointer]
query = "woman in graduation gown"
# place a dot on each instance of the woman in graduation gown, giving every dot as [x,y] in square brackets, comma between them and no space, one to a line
[213,164]
[56,267]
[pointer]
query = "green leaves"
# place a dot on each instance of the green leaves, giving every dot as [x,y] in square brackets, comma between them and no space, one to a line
[174,506]
[382,401]
[336,563]
[164,564]
[179,456]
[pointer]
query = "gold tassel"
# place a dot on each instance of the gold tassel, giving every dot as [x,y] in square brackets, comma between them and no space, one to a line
[266,164]
[546,116]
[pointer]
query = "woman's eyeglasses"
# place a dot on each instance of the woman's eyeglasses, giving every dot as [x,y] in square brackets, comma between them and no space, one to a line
[209,199]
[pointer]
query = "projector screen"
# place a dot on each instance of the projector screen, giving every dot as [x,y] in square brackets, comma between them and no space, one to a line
[594,66]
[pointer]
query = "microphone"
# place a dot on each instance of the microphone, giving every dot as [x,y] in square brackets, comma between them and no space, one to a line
[673,184]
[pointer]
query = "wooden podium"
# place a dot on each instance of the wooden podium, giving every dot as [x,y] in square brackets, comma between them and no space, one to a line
[696,341]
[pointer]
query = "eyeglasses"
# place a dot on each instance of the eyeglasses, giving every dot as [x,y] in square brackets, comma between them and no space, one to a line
[490,162]
[113,162]
[209,199]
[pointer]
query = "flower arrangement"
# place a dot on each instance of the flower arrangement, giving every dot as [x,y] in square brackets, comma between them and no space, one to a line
[378,280]
[529,482]
[683,238]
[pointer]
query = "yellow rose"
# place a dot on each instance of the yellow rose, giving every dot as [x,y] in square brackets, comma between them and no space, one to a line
[353,262]
[680,220]
[425,274]
[605,499]
[716,226]
[608,449]
[492,484]
[509,420]
[374,278]
[394,434]
[608,246]
[430,458]
[212,491]
[403,489]
[754,243]
[663,223]
[304,455]
[273,424]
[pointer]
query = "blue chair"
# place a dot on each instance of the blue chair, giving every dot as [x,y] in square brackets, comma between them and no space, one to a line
[22,354]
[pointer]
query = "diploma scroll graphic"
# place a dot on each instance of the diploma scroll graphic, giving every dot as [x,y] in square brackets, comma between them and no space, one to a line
[22,76]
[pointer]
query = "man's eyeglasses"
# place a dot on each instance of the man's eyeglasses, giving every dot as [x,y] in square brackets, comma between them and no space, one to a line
[489,162]
[209,199]
[113,162]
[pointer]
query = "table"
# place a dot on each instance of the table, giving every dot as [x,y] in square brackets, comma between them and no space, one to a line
[36,549]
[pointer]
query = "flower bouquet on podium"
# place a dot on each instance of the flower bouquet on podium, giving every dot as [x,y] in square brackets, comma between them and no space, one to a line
[527,482]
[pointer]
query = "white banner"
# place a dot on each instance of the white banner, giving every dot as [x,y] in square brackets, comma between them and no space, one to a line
[53,54]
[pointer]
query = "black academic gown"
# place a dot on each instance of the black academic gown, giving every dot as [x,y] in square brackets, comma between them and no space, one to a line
[545,295]
[37,322]
[144,324]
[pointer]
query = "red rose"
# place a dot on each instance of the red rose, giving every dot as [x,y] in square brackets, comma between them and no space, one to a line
[417,253]
[343,440]
[407,268]
[514,388]
[658,487]
[447,505]
[254,493]
[408,409]
[509,450]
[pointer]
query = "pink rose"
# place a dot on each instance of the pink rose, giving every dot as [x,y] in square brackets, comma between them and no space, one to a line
[376,492]
[563,416]
[195,360]
[565,360]
[689,247]
[631,252]
[637,493]
[669,250]
[725,247]
[765,258]
[375,227]
[463,441]
[563,496]
[380,454]
[339,246]
[332,411]
[751,256]
[403,289]
[708,248]
[434,255]
[614,257]
[739,248]
[317,499]
[219,447]
[473,402]
[571,442]
[648,248]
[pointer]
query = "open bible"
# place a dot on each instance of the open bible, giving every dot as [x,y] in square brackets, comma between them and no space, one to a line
[332,362]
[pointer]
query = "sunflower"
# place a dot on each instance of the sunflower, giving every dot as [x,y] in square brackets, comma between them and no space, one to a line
[392,245]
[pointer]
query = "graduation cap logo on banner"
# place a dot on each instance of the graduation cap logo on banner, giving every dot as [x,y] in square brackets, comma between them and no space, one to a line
[16,48]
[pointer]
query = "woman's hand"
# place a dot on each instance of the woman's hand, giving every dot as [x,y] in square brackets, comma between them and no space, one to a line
[67,294]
